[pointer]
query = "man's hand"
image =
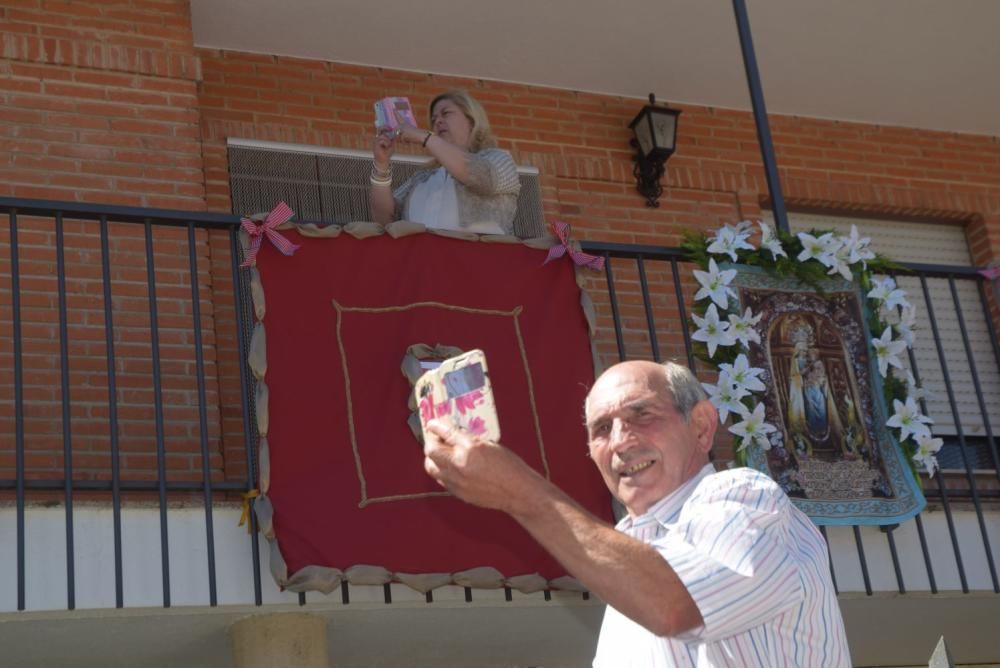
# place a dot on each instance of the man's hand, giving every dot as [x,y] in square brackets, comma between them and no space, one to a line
[479,472]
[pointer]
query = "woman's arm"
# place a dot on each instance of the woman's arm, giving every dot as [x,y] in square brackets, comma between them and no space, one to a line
[383,205]
[451,157]
[485,173]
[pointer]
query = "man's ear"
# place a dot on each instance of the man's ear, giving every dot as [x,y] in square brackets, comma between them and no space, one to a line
[704,420]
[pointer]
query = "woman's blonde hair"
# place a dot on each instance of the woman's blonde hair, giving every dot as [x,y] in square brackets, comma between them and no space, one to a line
[481,136]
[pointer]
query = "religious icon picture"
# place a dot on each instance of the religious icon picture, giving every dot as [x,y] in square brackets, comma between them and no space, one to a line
[831,452]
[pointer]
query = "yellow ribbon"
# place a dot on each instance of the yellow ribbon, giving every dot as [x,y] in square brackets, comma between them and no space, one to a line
[245,515]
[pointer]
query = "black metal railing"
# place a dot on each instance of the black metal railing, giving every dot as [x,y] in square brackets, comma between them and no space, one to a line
[57,214]
[641,304]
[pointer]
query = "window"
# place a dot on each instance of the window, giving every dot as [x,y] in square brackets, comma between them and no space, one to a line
[331,185]
[939,244]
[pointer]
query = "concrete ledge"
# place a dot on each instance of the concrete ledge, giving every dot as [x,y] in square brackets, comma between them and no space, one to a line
[903,629]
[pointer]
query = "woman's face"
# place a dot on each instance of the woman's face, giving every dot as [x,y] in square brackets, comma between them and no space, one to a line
[450,123]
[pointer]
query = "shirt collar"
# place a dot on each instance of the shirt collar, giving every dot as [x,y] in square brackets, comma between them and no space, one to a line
[665,510]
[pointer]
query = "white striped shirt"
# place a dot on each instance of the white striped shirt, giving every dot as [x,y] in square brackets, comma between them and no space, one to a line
[756,567]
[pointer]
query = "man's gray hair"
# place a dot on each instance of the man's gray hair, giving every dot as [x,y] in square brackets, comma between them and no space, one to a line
[683,388]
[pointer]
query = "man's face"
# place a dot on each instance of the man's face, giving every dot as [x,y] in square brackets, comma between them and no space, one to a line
[639,441]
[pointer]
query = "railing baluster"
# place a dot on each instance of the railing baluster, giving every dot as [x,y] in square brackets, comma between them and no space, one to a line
[958,428]
[861,559]
[989,433]
[66,423]
[15,306]
[249,440]
[109,349]
[206,472]
[685,331]
[161,455]
[992,335]
[829,557]
[650,325]
[927,556]
[613,298]
[888,531]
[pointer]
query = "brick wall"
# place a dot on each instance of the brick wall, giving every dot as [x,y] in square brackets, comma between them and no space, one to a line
[98,103]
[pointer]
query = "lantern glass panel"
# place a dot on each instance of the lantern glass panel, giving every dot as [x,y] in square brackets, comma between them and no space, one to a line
[643,135]
[664,129]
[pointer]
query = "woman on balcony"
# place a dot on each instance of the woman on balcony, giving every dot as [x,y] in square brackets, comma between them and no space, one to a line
[468,185]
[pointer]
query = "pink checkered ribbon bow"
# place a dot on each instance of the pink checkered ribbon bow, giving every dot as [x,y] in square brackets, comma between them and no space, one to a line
[257,231]
[561,230]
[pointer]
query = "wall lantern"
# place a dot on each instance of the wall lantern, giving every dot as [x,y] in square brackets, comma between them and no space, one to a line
[655,130]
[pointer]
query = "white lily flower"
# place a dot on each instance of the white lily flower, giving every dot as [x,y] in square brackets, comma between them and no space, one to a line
[839,264]
[725,397]
[904,327]
[864,253]
[908,419]
[833,248]
[770,241]
[715,284]
[912,390]
[743,328]
[816,248]
[753,429]
[728,240]
[742,375]
[927,448]
[885,291]
[887,351]
[710,330]
[857,248]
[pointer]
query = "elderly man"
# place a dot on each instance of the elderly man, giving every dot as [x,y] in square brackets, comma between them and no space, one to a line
[707,569]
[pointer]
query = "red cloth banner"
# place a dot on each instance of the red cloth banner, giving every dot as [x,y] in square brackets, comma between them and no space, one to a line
[347,479]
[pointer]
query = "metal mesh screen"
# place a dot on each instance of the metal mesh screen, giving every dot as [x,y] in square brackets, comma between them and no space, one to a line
[334,188]
[529,222]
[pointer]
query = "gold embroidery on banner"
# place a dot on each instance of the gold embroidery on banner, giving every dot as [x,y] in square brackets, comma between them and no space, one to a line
[350,407]
[531,392]
[513,314]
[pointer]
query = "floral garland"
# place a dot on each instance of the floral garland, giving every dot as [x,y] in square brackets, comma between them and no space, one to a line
[725,335]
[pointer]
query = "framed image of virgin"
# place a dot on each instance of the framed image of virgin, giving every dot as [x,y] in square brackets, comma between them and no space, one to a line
[830,449]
